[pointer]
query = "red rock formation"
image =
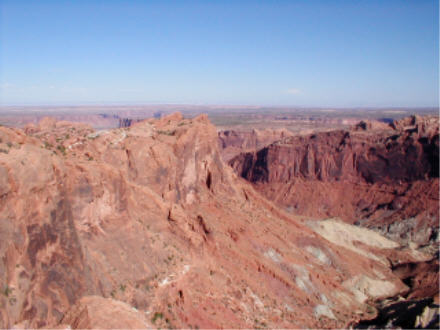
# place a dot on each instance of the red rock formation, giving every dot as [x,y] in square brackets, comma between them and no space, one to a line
[151,216]
[421,277]
[383,175]
[94,312]
[234,142]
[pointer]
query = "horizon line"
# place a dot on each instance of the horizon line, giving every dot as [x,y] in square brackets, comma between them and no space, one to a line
[228,105]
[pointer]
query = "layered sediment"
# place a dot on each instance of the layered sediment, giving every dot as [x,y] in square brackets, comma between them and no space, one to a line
[148,225]
[384,177]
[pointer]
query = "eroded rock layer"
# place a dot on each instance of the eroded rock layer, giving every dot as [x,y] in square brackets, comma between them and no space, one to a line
[383,177]
[234,142]
[146,226]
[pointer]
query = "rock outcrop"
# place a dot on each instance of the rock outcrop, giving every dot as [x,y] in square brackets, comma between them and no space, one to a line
[234,142]
[383,177]
[149,225]
[95,312]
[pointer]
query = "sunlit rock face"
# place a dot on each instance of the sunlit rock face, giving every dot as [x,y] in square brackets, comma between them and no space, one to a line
[234,142]
[147,226]
[383,177]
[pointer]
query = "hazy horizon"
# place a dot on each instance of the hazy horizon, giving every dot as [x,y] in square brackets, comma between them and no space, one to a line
[304,54]
[210,106]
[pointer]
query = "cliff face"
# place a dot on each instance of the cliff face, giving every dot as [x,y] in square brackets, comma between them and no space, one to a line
[383,174]
[146,226]
[234,142]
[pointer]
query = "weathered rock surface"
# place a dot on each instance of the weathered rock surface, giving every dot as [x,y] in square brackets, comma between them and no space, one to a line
[416,309]
[234,142]
[421,277]
[414,314]
[150,217]
[374,175]
[94,312]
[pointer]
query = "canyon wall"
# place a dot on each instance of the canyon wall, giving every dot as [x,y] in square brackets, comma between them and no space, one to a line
[383,177]
[234,142]
[146,226]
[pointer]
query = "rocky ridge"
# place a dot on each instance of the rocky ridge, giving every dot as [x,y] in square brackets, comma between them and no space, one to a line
[149,224]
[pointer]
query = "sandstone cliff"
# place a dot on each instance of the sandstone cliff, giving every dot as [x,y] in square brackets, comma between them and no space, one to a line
[382,177]
[234,142]
[147,225]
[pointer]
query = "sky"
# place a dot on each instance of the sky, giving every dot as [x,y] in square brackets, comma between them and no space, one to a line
[357,53]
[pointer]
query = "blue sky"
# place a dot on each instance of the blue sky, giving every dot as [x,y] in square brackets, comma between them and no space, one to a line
[291,53]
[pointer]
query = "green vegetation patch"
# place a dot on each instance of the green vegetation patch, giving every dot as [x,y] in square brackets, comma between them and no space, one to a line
[156,316]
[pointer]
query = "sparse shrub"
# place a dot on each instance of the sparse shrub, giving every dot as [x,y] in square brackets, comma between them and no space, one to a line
[122,287]
[12,301]
[156,316]
[370,309]
[259,324]
[47,145]
[62,149]
[7,291]
[4,151]
[9,144]
[167,132]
